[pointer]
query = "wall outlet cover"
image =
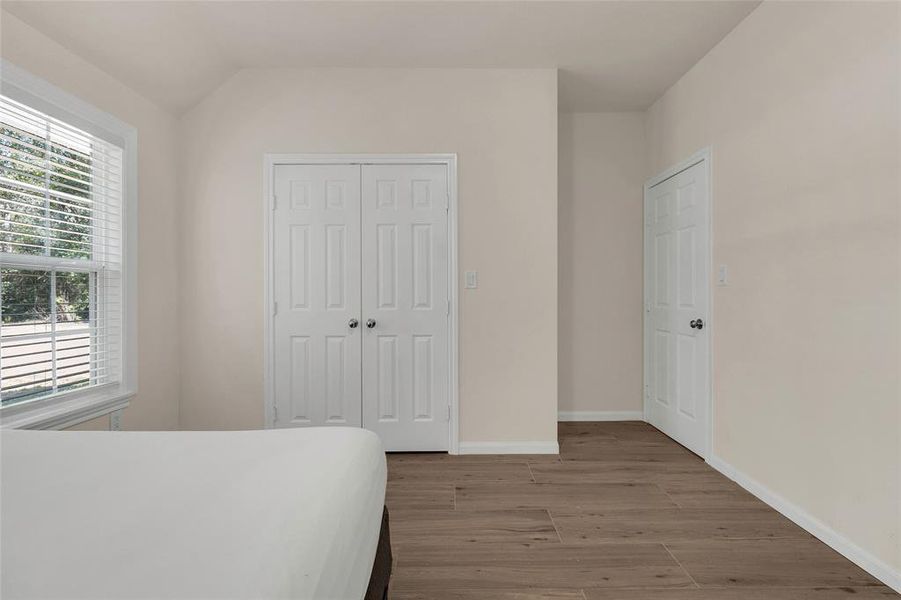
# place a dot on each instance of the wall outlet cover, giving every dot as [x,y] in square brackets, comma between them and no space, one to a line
[115,420]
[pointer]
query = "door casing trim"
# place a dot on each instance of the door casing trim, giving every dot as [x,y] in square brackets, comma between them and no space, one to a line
[702,155]
[270,161]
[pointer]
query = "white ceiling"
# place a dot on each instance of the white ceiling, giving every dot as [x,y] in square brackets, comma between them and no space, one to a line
[612,55]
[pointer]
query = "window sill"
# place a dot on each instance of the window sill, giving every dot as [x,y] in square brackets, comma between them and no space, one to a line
[65,411]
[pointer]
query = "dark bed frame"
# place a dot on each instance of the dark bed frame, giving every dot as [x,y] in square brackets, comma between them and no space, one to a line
[381,568]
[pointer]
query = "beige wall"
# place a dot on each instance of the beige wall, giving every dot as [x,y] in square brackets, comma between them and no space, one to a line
[156,405]
[503,126]
[601,174]
[801,105]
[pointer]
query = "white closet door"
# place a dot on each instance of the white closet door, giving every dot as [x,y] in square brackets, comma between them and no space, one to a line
[677,340]
[405,305]
[316,252]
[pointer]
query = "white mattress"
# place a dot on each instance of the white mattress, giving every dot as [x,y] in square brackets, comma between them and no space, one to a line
[291,513]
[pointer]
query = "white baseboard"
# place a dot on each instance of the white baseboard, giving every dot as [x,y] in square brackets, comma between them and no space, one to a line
[600,415]
[509,448]
[863,559]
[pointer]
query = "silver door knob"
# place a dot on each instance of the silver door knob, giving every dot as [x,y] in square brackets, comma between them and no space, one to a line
[370,323]
[697,324]
[353,323]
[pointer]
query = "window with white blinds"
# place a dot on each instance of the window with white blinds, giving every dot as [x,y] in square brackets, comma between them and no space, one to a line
[61,257]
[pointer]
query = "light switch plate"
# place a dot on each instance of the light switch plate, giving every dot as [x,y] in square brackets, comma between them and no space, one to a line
[472,280]
[722,275]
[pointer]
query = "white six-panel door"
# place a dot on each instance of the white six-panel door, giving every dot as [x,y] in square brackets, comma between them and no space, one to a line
[405,305]
[677,340]
[316,287]
[360,289]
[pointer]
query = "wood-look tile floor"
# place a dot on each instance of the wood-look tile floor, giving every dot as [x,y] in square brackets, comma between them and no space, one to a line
[624,513]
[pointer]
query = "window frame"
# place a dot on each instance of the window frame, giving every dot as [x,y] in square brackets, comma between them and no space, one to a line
[69,408]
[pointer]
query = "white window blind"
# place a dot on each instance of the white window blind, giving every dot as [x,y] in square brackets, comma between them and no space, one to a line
[61,289]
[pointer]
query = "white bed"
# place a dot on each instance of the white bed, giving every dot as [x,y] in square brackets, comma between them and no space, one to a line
[291,513]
